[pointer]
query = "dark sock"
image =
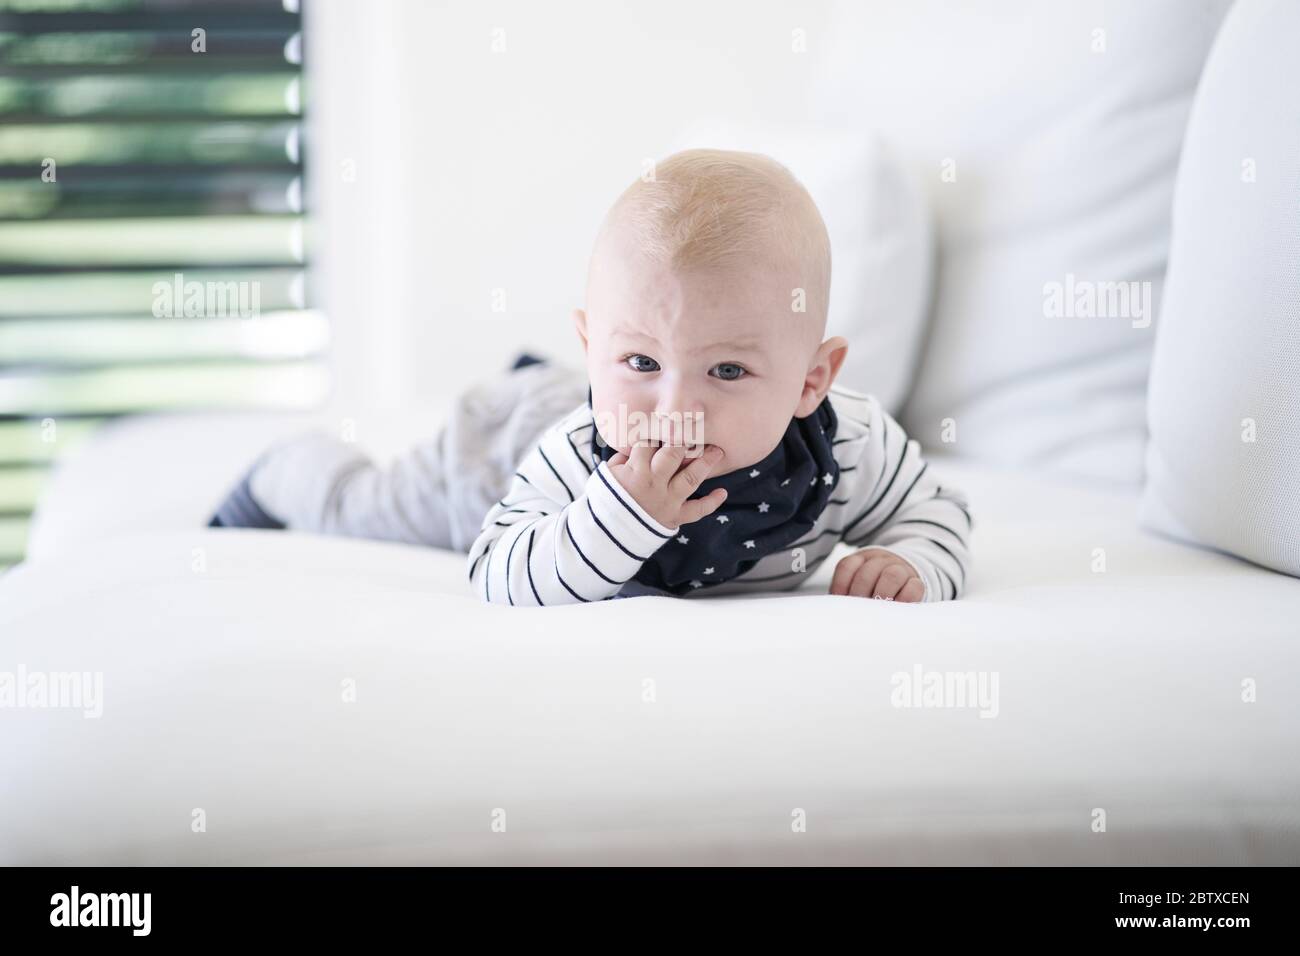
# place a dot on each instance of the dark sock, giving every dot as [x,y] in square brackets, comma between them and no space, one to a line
[241,510]
[526,359]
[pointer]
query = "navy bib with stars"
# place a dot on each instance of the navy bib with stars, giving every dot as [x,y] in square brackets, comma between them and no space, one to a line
[770,505]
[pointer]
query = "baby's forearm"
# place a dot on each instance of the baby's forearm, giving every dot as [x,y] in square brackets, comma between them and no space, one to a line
[908,512]
[535,552]
[932,533]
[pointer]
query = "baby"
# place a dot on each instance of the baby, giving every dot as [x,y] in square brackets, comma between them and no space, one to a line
[713,453]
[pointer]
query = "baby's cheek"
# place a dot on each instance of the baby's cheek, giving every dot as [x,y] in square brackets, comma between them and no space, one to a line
[756,436]
[607,434]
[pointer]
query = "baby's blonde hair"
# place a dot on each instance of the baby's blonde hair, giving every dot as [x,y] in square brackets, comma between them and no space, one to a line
[706,209]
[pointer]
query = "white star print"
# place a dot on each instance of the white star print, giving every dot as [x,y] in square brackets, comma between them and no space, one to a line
[708,570]
[697,584]
[682,539]
[749,544]
[754,473]
[762,507]
[786,482]
[827,478]
[723,519]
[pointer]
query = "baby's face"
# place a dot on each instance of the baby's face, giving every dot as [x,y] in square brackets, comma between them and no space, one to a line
[725,352]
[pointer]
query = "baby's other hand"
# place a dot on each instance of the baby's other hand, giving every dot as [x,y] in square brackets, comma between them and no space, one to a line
[876,573]
[651,476]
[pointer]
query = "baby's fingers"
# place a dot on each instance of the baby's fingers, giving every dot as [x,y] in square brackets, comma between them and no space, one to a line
[691,477]
[845,570]
[642,454]
[913,591]
[697,508]
[666,460]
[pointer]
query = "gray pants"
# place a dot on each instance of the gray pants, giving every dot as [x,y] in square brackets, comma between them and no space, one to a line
[436,493]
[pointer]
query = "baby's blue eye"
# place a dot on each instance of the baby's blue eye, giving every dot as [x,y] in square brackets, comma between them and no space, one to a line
[652,365]
[729,371]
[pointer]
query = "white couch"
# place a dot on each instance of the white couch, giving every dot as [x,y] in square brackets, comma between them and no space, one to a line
[322,700]
[224,656]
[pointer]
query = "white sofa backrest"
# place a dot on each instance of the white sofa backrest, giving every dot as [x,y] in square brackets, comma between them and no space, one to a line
[1047,136]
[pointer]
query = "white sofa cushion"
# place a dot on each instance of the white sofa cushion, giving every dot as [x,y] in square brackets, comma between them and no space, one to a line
[226,654]
[1224,454]
[882,243]
[1047,135]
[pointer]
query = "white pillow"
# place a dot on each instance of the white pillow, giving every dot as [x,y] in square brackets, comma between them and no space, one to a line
[1223,459]
[882,246]
[1047,136]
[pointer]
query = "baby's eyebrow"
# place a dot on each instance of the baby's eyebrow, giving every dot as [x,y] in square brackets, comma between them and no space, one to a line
[735,345]
[749,343]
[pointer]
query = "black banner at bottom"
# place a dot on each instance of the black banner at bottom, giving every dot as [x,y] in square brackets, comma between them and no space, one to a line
[618,906]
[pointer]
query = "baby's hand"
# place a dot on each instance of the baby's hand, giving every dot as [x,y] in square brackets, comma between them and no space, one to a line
[873,572]
[651,476]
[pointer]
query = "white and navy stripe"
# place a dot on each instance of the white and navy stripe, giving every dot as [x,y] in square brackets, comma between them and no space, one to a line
[568,532]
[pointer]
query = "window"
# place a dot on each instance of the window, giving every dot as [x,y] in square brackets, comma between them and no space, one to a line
[153,245]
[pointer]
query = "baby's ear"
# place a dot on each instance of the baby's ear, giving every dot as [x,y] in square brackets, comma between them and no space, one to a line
[827,362]
[580,323]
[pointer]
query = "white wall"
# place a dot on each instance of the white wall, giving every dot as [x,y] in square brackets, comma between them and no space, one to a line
[478,170]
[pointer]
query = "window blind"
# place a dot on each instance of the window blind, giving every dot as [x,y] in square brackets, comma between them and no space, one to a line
[153,246]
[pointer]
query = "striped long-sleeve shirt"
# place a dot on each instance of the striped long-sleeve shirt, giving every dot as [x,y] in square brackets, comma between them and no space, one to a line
[567,532]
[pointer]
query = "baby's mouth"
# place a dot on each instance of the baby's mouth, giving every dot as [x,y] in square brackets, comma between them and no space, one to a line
[696,450]
[693,450]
